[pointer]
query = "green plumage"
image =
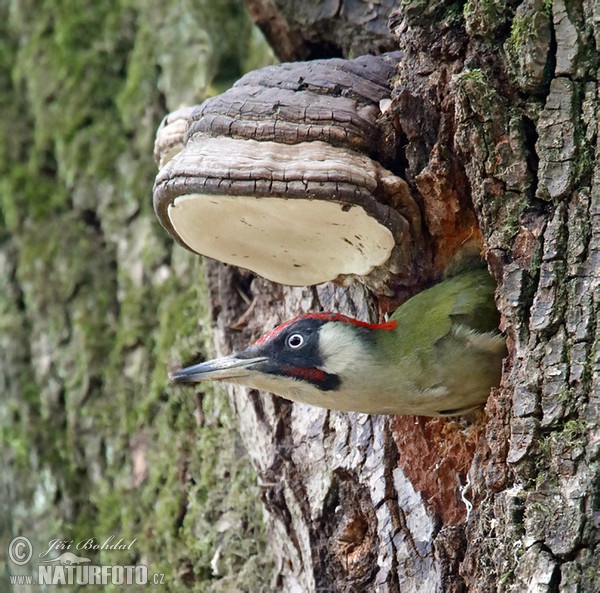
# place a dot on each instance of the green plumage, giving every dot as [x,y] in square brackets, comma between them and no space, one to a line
[441,359]
[447,346]
[466,299]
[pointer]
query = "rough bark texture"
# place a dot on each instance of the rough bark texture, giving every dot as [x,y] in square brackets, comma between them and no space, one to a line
[95,299]
[499,106]
[300,30]
[498,102]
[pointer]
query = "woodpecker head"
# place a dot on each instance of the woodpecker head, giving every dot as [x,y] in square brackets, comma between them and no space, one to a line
[310,358]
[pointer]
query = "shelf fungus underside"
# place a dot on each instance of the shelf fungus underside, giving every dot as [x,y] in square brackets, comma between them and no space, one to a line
[253,232]
[279,175]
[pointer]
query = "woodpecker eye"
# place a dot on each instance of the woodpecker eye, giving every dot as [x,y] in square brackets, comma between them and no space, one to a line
[295,341]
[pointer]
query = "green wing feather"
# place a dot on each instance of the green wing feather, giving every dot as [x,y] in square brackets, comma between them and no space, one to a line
[446,350]
[466,300]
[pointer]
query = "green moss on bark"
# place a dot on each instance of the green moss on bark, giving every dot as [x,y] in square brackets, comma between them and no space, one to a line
[97,302]
[528,46]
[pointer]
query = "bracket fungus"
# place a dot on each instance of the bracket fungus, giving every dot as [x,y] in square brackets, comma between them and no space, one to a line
[283,174]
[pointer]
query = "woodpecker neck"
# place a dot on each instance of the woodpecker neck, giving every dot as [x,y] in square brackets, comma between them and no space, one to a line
[351,352]
[337,367]
[344,346]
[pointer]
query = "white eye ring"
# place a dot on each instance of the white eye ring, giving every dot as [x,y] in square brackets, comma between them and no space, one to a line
[295,341]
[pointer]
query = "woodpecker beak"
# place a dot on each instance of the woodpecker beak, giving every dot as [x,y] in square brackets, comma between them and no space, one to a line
[220,369]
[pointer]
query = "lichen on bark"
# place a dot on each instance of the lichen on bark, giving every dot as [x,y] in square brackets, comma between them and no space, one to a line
[96,302]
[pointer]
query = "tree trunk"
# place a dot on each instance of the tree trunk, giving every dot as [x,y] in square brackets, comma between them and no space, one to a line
[498,106]
[96,301]
[499,103]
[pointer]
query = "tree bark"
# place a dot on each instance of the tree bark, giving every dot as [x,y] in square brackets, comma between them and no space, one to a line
[96,301]
[498,104]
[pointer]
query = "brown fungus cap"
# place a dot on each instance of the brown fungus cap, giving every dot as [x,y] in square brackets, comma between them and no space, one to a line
[171,135]
[281,175]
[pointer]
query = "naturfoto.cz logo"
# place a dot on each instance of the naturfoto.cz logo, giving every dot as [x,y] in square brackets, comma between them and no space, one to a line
[69,568]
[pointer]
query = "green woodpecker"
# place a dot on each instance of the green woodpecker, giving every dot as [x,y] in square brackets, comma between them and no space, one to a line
[438,355]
